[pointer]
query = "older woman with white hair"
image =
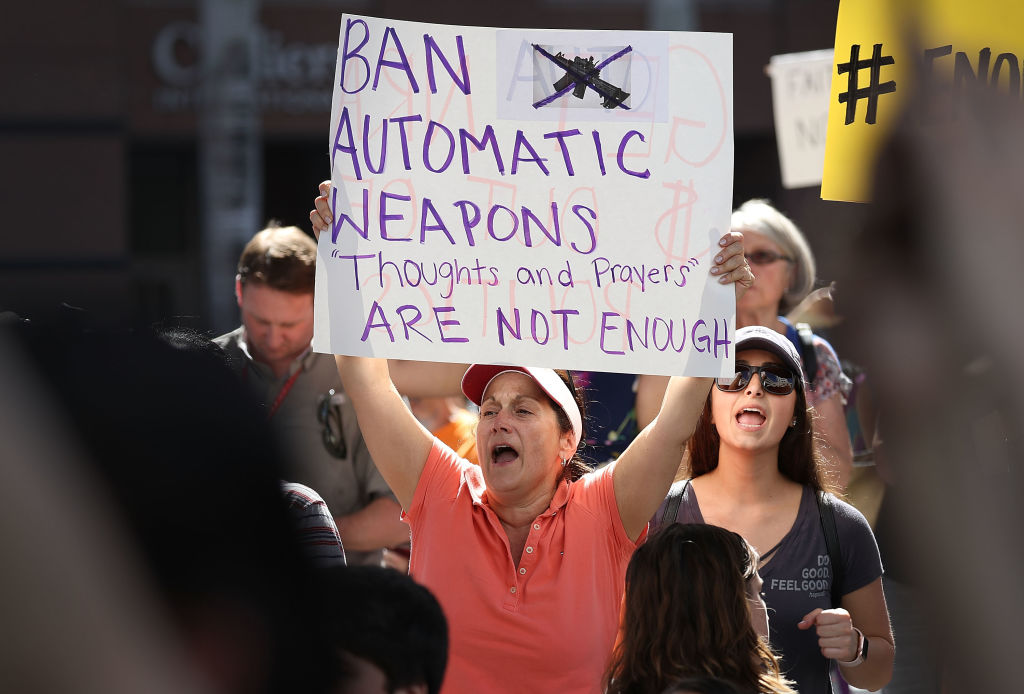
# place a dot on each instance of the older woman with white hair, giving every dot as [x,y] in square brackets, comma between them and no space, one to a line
[526,552]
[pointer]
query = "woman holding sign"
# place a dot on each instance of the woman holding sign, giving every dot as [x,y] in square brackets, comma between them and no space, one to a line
[526,552]
[756,472]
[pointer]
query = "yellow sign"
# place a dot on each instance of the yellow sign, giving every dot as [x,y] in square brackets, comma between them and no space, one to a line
[883,48]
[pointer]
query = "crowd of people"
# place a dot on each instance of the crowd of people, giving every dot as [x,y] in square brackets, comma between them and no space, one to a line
[352,524]
[499,540]
[257,517]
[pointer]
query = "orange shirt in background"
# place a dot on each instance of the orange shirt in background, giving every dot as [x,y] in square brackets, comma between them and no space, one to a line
[459,434]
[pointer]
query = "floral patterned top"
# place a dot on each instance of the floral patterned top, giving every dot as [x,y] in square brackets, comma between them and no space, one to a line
[830,377]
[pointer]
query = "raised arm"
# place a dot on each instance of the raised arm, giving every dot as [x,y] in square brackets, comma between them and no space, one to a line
[422,379]
[650,390]
[644,472]
[397,442]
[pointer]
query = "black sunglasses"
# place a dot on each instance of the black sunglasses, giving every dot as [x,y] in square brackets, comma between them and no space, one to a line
[766,257]
[775,379]
[328,413]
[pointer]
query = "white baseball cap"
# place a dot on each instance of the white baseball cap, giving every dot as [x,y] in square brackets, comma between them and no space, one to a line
[478,377]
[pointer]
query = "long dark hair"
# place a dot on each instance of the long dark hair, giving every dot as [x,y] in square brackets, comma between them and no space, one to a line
[686,614]
[799,461]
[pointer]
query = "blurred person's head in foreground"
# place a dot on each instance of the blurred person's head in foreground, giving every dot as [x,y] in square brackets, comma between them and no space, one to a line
[195,476]
[933,276]
[389,632]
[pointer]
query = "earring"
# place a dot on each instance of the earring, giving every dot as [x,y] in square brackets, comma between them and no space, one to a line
[793,423]
[563,462]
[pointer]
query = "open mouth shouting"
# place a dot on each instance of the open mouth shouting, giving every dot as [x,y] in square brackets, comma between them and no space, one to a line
[503,454]
[751,418]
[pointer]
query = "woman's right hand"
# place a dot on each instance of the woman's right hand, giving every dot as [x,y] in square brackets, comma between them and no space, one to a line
[320,215]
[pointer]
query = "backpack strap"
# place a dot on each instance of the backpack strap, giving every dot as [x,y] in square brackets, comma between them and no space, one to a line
[828,524]
[673,500]
[807,353]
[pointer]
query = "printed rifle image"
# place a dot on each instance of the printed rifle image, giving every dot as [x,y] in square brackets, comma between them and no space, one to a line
[581,73]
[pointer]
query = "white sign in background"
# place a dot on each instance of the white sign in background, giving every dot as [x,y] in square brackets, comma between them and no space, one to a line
[480,216]
[801,88]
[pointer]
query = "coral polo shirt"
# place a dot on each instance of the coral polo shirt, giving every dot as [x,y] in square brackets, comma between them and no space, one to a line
[547,625]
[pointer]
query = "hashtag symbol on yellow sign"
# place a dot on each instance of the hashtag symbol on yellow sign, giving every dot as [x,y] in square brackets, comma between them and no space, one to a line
[875,88]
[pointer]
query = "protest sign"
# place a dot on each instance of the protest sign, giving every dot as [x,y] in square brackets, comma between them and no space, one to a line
[883,48]
[546,197]
[801,84]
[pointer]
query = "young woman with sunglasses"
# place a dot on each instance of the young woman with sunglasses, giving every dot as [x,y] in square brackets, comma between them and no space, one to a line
[755,471]
[784,272]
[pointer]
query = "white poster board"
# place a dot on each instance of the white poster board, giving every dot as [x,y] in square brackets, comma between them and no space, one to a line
[801,87]
[543,197]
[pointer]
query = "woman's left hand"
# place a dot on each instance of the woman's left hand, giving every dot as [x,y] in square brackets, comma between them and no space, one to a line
[836,636]
[731,265]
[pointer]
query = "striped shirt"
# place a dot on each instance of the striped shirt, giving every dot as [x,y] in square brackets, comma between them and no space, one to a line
[315,525]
